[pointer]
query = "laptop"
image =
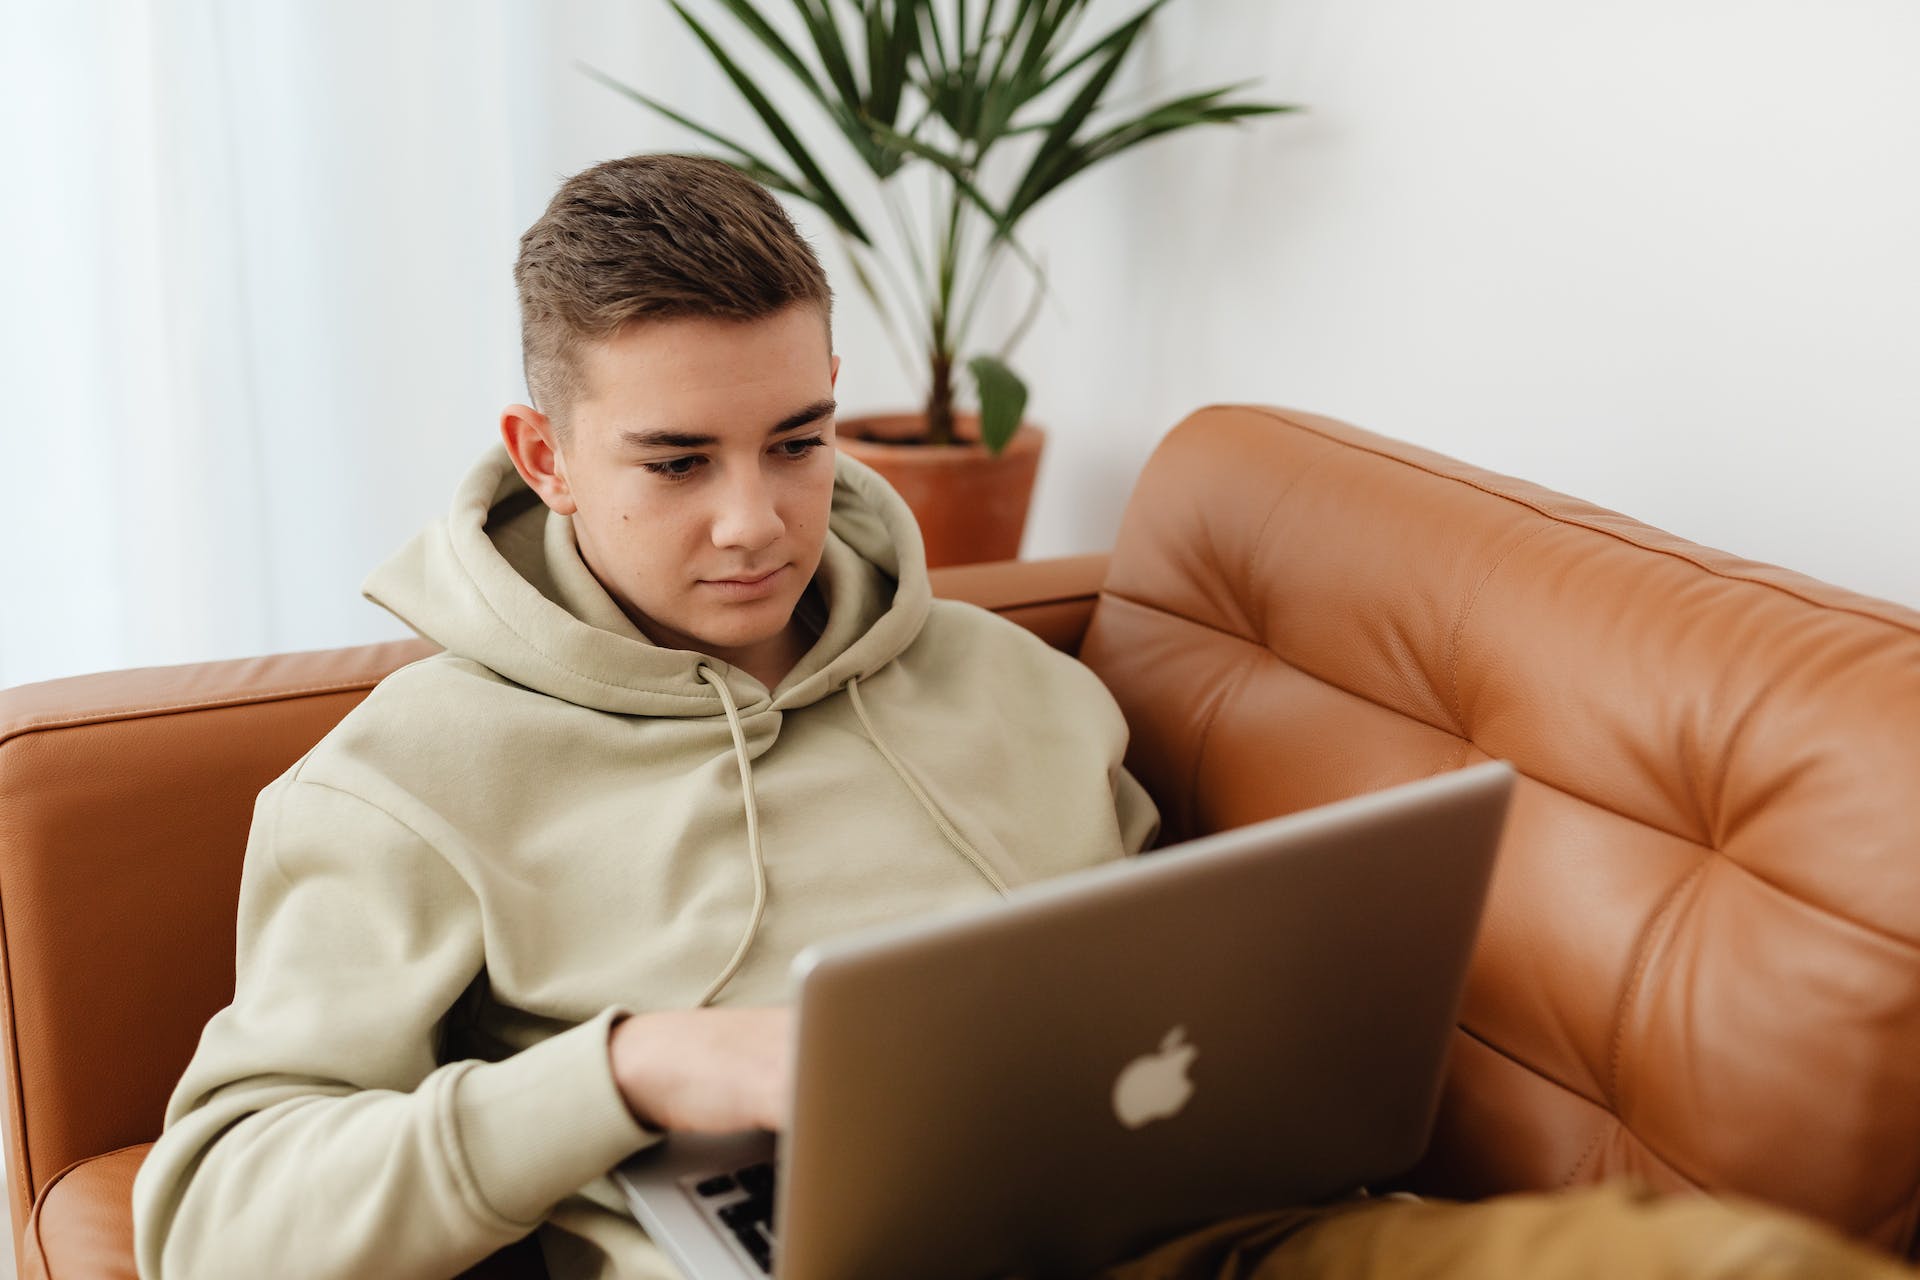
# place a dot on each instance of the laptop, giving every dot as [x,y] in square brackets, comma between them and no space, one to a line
[1102,1061]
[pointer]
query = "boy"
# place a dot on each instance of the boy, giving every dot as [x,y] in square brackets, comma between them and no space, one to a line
[531,905]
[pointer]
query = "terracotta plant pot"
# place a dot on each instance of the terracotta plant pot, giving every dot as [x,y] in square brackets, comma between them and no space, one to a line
[971,506]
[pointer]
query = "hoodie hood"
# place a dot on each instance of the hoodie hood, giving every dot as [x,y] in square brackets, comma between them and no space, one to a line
[500,580]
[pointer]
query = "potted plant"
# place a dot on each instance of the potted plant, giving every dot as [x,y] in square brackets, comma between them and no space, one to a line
[938,88]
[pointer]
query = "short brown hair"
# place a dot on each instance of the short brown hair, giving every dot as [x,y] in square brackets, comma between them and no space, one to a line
[652,237]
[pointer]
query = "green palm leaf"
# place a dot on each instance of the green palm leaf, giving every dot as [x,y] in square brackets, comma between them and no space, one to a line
[1003,398]
[963,179]
[966,74]
[749,17]
[1093,50]
[742,158]
[1055,149]
[823,193]
[891,47]
[824,31]
[1168,117]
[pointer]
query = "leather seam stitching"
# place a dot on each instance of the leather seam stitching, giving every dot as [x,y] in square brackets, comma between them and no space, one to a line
[1459,628]
[1607,1116]
[33,1211]
[1487,1043]
[1260,536]
[1579,524]
[1572,1175]
[137,712]
[1700,849]
[1206,732]
[1452,733]
[1871,930]
[1064,596]
[1012,605]
[1737,730]
[17,1100]
[1650,935]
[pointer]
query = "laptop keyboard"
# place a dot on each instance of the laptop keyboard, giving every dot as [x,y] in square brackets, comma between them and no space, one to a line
[741,1203]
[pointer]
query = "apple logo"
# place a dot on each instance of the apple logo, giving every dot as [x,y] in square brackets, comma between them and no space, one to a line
[1155,1085]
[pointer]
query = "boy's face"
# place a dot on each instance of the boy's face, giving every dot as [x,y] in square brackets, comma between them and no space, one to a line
[661,523]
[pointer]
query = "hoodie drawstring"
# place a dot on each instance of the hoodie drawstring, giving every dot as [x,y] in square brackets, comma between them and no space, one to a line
[712,677]
[953,837]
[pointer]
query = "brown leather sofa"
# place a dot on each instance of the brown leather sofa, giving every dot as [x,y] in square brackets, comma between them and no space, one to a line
[1700,965]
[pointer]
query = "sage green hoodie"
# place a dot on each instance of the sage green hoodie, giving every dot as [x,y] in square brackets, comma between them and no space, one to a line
[448,899]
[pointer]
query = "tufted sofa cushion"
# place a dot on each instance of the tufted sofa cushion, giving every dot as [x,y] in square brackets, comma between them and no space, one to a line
[1701,960]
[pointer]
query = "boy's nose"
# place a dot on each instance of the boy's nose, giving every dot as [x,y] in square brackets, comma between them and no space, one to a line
[747,517]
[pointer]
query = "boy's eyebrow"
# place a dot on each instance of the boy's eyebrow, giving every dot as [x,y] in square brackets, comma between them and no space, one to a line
[688,440]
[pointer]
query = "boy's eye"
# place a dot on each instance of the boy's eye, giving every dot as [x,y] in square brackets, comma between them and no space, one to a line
[682,468]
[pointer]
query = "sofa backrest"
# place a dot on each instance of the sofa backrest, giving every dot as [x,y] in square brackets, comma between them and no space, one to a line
[1701,958]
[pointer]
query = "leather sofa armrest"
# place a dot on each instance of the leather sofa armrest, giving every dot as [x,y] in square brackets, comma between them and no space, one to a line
[1053,598]
[82,1225]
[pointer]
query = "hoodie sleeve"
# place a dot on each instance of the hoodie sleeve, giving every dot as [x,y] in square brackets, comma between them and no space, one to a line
[315,1133]
[1139,816]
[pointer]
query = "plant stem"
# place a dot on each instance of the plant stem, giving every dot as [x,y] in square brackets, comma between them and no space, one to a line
[982,280]
[911,300]
[898,337]
[1031,314]
[919,297]
[940,400]
[940,394]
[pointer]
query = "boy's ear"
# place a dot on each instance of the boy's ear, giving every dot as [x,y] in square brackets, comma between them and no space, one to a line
[833,376]
[535,449]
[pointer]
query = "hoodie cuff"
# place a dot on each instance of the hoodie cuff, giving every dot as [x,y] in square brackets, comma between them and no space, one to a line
[538,1126]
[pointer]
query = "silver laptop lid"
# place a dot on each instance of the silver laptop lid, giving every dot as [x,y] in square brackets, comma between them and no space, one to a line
[1041,1087]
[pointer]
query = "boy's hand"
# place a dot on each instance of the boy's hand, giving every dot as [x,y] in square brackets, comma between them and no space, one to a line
[706,1070]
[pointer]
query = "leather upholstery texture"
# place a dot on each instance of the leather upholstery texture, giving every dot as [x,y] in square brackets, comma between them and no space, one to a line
[81,1228]
[1700,964]
[1701,960]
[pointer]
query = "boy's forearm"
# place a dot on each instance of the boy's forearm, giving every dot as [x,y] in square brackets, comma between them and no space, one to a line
[274,1180]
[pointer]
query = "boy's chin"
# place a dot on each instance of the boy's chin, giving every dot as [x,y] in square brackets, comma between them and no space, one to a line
[735,636]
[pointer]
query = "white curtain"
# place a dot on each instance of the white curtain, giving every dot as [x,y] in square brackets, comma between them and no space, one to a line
[260,313]
[125,338]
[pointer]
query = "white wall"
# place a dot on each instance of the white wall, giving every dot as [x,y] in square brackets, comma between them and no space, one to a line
[1659,255]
